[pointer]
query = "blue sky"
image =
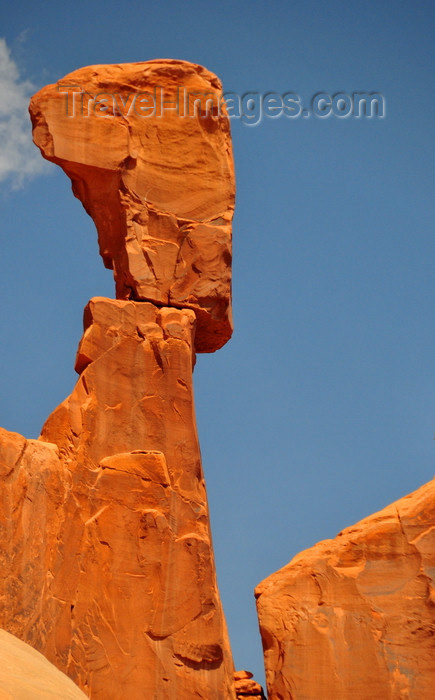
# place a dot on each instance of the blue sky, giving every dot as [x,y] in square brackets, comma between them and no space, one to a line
[321,409]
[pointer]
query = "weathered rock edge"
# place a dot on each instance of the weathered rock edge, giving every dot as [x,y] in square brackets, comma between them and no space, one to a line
[354,618]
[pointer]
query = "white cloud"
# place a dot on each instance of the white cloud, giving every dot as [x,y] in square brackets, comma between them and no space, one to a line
[19,158]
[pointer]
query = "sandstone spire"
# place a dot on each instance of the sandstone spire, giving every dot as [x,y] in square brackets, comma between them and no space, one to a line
[106,556]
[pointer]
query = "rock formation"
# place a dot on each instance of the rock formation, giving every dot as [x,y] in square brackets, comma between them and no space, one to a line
[148,149]
[106,555]
[107,559]
[246,687]
[354,618]
[27,675]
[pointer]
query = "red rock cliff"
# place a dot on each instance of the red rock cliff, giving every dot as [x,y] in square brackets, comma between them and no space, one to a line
[354,618]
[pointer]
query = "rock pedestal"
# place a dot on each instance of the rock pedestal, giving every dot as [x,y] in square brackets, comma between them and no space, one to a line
[107,563]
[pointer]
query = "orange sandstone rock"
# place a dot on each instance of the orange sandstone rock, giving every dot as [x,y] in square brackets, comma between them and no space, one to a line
[354,618]
[106,559]
[27,675]
[246,687]
[148,149]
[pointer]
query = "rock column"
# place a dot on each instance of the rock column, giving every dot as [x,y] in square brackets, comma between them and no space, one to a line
[106,554]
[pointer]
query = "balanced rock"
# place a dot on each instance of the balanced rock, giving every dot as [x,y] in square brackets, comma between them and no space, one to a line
[354,618]
[148,149]
[106,558]
[27,675]
[246,687]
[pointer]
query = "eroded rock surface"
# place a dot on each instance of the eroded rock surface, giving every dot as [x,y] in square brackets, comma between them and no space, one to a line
[106,558]
[354,618]
[27,675]
[148,149]
[246,687]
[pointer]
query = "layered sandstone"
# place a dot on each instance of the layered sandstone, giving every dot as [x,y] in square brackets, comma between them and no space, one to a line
[354,618]
[148,149]
[106,559]
[27,675]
